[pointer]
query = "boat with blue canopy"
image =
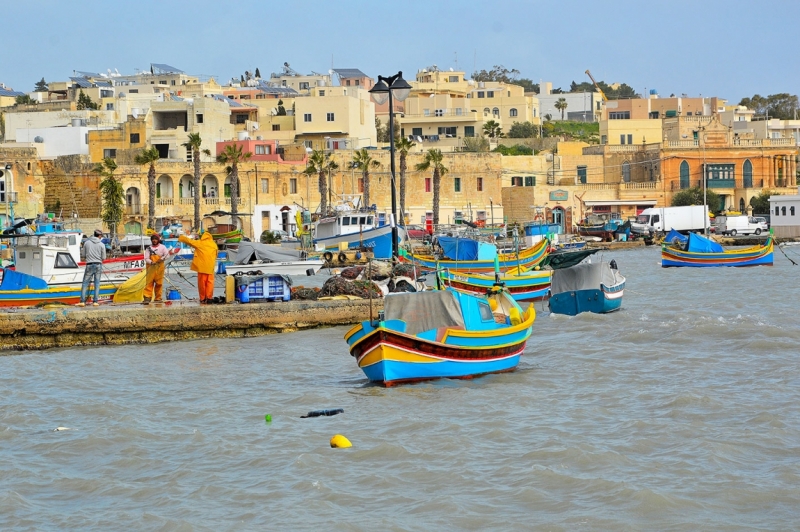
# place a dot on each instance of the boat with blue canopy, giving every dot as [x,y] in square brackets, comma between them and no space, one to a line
[468,255]
[698,251]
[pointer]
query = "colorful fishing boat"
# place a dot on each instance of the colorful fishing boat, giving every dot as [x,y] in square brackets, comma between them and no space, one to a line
[602,226]
[359,230]
[587,287]
[265,258]
[21,290]
[228,237]
[700,252]
[463,255]
[523,286]
[441,334]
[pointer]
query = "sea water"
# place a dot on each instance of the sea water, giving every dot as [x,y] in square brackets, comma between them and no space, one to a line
[679,412]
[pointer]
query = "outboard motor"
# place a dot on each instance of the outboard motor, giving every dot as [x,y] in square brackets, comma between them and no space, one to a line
[613,264]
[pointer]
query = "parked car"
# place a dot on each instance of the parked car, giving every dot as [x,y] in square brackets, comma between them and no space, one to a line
[761,222]
[416,232]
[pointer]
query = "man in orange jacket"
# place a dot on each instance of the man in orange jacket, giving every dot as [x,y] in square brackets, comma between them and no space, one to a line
[204,263]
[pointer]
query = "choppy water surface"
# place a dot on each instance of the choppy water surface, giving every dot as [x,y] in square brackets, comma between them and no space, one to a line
[680,412]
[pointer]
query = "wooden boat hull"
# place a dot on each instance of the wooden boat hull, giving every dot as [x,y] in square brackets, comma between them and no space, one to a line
[753,256]
[599,301]
[68,295]
[526,286]
[378,240]
[389,356]
[528,258]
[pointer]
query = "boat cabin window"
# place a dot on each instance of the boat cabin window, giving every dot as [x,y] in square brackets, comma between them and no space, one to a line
[21,254]
[345,220]
[369,220]
[363,220]
[65,260]
[486,311]
[72,240]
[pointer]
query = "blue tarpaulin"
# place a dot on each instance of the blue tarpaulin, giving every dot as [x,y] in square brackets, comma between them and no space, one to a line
[459,248]
[13,280]
[700,244]
[673,235]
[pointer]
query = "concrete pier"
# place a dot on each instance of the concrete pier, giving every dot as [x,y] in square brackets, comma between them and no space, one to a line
[62,326]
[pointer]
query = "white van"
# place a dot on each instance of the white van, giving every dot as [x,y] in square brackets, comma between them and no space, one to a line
[742,225]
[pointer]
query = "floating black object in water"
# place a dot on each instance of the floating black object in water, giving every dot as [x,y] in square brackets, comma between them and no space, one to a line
[318,413]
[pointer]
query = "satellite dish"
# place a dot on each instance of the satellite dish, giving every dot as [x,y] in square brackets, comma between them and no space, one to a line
[419,139]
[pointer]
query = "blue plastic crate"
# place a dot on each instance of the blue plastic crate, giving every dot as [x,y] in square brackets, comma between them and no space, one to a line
[276,289]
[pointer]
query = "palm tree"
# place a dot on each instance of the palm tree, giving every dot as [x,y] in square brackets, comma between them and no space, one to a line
[433,160]
[112,195]
[363,160]
[232,155]
[402,146]
[194,144]
[321,163]
[561,105]
[150,156]
[492,129]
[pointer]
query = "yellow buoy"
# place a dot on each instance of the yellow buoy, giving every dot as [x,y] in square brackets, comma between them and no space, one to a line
[340,442]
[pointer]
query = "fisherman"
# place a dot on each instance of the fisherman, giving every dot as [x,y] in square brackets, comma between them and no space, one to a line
[95,253]
[204,262]
[154,256]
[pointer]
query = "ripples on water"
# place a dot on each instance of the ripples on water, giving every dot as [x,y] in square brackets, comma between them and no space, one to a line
[679,412]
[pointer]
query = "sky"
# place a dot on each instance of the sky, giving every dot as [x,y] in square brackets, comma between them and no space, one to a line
[726,48]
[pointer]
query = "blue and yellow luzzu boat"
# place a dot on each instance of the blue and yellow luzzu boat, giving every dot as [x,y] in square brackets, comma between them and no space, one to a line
[524,286]
[526,258]
[441,334]
[700,252]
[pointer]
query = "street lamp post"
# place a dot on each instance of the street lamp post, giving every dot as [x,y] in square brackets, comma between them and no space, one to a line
[381,92]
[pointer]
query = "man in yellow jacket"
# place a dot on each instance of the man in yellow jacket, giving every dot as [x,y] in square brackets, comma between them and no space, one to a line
[204,263]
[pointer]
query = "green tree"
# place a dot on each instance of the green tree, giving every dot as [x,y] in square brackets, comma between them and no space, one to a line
[362,159]
[517,149]
[41,86]
[2,126]
[380,130]
[760,203]
[783,106]
[528,85]
[402,146]
[497,73]
[85,102]
[112,196]
[24,100]
[281,109]
[194,143]
[561,105]
[694,196]
[320,163]
[232,155]
[523,130]
[149,156]
[492,129]
[476,144]
[434,161]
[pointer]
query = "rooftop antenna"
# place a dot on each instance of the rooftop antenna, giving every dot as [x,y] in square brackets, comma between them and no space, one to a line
[456,60]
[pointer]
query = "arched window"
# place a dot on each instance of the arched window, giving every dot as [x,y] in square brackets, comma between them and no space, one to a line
[747,173]
[777,210]
[684,175]
[791,210]
[626,172]
[512,112]
[783,211]
[741,204]
[486,111]
[496,111]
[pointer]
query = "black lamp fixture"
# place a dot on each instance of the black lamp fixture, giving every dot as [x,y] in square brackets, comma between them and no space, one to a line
[389,89]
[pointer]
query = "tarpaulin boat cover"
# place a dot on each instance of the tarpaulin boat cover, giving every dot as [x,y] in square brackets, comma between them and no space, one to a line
[586,276]
[674,235]
[14,280]
[700,244]
[459,248]
[423,311]
[252,251]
